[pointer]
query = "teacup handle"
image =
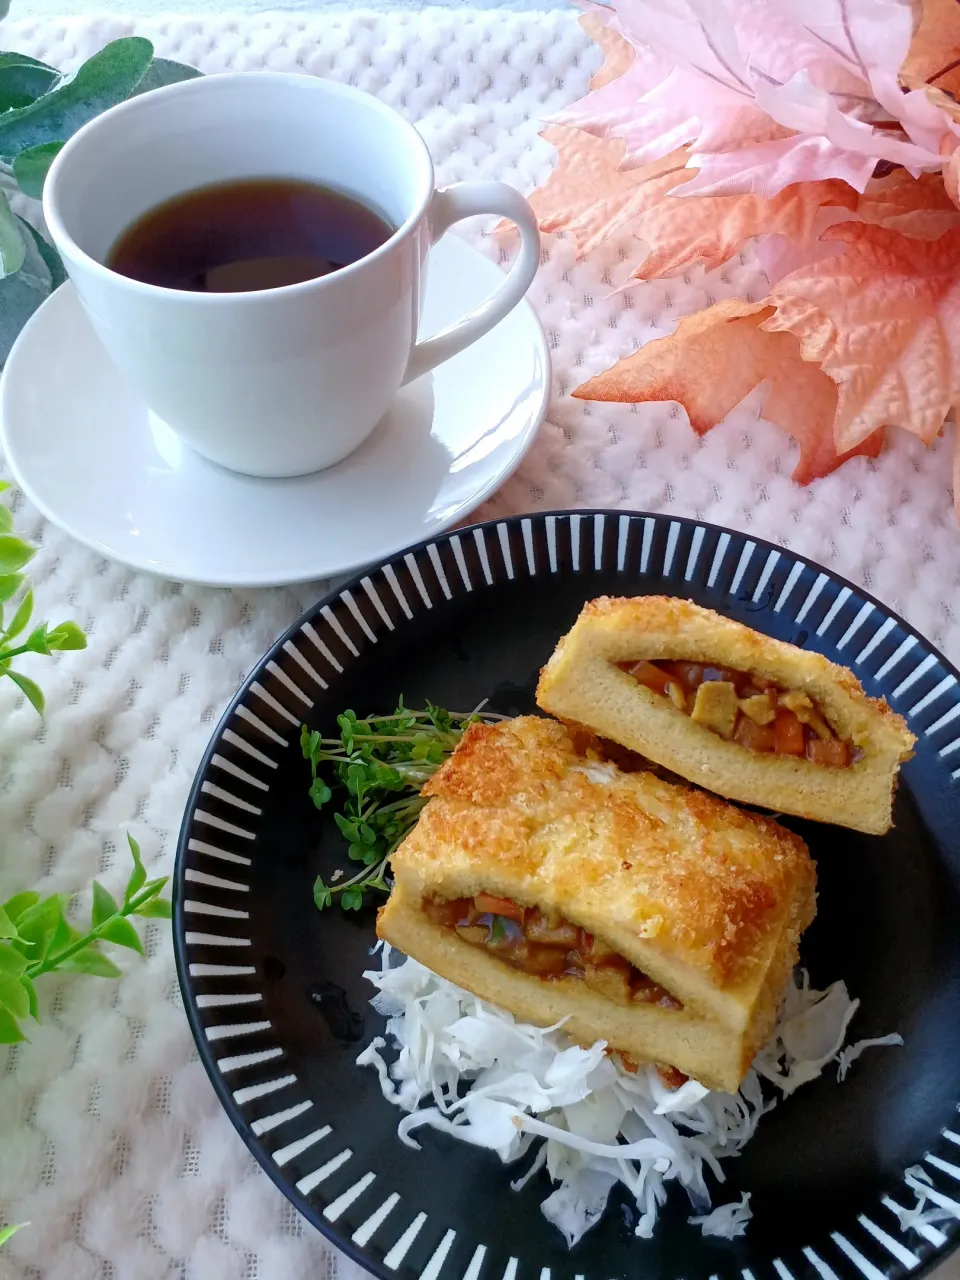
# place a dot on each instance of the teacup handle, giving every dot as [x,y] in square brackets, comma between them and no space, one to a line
[464,200]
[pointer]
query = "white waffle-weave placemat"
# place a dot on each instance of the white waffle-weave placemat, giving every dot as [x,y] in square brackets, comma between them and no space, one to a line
[111,1141]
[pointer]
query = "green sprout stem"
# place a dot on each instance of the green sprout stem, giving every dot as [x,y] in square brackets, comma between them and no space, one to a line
[372,761]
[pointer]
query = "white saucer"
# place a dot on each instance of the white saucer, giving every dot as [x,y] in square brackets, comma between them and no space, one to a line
[88,453]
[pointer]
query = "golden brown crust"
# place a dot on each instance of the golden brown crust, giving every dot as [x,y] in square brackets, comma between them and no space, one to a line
[693,891]
[582,683]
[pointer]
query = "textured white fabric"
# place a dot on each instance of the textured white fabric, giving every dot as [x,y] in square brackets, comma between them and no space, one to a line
[60,8]
[111,1140]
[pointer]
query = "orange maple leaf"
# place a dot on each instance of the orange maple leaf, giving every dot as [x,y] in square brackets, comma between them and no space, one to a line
[883,320]
[934,54]
[589,196]
[951,178]
[710,229]
[714,359]
[918,207]
[618,53]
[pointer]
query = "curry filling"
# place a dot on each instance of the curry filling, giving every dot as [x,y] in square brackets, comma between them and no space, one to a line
[746,709]
[548,946]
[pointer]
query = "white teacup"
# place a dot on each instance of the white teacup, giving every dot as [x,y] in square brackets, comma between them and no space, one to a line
[284,381]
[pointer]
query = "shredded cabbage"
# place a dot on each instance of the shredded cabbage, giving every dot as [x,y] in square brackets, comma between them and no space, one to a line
[471,1070]
[727,1221]
[846,1057]
[920,1182]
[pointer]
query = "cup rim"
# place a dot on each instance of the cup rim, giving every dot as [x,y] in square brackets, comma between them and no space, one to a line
[69,248]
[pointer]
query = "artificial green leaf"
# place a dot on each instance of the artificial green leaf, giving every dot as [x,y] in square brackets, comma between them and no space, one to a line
[122,932]
[7,58]
[16,58]
[31,997]
[19,903]
[13,248]
[104,905]
[63,936]
[66,635]
[48,256]
[23,79]
[156,909]
[152,888]
[7,1232]
[12,961]
[37,924]
[92,962]
[30,167]
[14,552]
[20,296]
[138,875]
[164,71]
[7,928]
[29,687]
[10,1033]
[10,584]
[22,615]
[104,80]
[36,641]
[13,997]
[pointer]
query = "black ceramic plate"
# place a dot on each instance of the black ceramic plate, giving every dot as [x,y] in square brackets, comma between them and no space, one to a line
[274,992]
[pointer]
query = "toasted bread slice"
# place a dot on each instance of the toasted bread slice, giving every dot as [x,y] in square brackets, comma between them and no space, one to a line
[705,900]
[584,682]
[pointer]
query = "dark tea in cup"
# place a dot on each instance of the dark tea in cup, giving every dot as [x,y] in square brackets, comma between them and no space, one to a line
[256,233]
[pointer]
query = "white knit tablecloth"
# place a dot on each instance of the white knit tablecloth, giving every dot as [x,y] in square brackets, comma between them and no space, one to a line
[111,1140]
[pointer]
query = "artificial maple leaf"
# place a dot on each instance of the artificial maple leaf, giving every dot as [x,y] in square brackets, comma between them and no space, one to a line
[711,230]
[778,256]
[590,196]
[951,178]
[918,207]
[768,167]
[810,110]
[659,103]
[714,359]
[656,118]
[766,93]
[618,53]
[934,54]
[893,304]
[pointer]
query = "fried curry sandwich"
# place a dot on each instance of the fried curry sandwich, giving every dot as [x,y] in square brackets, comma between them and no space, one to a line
[553,884]
[745,716]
